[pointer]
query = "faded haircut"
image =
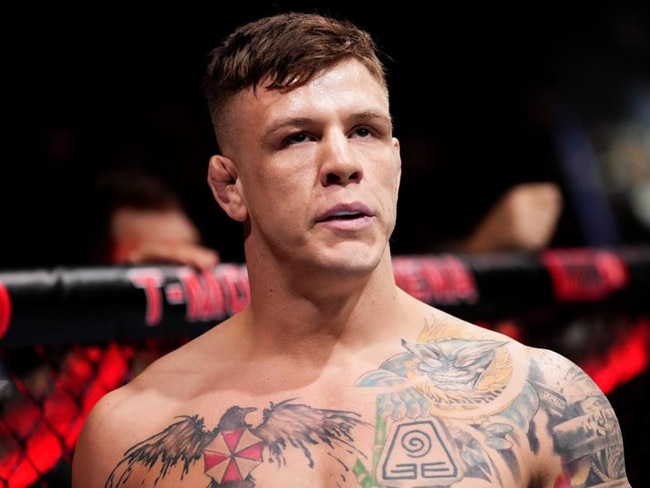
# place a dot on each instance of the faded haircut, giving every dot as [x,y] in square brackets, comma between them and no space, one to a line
[284,51]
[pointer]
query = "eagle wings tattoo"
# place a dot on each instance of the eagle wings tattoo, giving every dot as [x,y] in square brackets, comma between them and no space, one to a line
[234,448]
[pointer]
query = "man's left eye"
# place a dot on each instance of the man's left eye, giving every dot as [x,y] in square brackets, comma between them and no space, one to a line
[297,138]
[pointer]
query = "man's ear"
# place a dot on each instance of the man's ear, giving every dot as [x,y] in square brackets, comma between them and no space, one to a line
[222,178]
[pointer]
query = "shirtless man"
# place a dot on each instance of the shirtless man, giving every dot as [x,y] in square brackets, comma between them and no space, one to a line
[333,376]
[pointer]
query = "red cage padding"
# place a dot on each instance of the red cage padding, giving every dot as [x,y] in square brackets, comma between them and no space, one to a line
[57,306]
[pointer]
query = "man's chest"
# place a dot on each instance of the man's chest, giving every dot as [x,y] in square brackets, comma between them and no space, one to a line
[338,438]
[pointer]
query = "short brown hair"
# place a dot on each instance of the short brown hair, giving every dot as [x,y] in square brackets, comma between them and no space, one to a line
[285,50]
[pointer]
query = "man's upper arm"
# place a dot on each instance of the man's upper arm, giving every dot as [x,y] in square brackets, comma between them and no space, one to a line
[95,448]
[581,421]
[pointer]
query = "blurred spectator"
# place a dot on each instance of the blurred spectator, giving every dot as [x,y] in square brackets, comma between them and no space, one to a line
[139,218]
[523,219]
[519,213]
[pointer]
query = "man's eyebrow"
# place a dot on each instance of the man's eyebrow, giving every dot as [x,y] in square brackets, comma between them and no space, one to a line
[374,114]
[295,122]
[300,122]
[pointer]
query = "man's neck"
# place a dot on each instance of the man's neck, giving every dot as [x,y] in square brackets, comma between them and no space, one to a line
[329,309]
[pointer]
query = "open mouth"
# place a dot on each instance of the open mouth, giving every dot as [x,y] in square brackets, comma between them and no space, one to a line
[343,216]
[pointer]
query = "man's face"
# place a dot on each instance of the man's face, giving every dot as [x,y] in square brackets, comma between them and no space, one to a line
[318,169]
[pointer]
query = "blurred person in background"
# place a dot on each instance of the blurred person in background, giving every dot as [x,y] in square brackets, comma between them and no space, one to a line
[137,218]
[524,218]
[140,219]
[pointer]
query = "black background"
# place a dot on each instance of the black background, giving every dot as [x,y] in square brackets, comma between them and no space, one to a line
[90,86]
[94,86]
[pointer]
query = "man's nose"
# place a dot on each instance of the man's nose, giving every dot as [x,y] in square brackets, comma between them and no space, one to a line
[339,166]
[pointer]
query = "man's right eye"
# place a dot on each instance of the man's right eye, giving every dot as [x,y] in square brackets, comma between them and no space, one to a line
[297,138]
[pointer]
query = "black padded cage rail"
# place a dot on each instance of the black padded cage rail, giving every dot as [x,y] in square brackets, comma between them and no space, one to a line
[56,306]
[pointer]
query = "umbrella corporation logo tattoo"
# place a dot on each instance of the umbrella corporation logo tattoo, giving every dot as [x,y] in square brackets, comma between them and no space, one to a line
[448,409]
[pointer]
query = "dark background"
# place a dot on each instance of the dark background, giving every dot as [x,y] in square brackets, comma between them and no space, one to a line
[474,91]
[91,87]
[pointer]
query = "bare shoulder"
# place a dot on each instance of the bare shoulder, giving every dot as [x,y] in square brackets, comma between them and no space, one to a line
[551,369]
[568,393]
[101,440]
[580,420]
[130,415]
[525,415]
